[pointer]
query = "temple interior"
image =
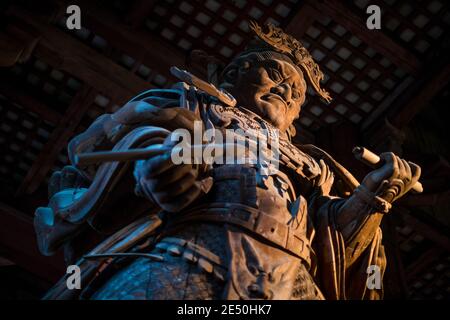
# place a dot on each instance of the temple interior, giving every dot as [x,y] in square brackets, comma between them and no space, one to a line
[389,87]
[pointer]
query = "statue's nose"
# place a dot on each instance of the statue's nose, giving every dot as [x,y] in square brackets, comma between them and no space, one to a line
[283,90]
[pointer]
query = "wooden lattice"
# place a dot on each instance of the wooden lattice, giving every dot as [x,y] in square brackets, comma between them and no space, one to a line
[38,97]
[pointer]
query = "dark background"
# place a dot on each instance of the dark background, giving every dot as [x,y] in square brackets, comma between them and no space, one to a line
[390,90]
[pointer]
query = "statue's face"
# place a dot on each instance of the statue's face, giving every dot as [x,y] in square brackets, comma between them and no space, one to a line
[273,89]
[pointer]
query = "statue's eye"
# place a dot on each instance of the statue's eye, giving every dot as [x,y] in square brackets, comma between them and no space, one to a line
[230,75]
[244,67]
[296,94]
[275,75]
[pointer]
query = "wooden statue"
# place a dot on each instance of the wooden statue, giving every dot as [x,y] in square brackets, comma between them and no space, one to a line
[142,227]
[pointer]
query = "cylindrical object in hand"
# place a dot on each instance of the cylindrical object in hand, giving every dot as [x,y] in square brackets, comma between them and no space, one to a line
[371,159]
[108,156]
[196,151]
[367,157]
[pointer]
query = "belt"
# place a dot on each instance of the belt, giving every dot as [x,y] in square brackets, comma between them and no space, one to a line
[258,222]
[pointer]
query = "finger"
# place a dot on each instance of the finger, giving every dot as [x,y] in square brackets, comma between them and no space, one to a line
[323,173]
[142,167]
[388,157]
[390,161]
[171,176]
[382,187]
[408,174]
[330,174]
[416,172]
[331,177]
[389,168]
[81,180]
[54,183]
[396,167]
[401,169]
[157,165]
[68,177]
[175,189]
[183,200]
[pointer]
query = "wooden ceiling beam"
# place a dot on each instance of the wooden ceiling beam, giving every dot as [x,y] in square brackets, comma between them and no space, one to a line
[428,258]
[426,229]
[428,199]
[72,56]
[140,10]
[57,141]
[138,43]
[414,99]
[21,98]
[302,20]
[344,15]
[422,97]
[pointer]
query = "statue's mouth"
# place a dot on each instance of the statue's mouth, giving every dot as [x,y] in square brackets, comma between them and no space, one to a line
[269,96]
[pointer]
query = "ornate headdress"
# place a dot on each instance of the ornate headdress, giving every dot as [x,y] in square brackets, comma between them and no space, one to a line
[294,49]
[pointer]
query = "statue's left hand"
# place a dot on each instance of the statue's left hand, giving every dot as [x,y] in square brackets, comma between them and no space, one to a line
[393,179]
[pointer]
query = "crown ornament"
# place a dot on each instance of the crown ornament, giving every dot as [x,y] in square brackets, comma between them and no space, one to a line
[294,49]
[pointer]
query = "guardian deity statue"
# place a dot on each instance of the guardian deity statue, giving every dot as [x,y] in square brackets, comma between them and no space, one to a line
[140,226]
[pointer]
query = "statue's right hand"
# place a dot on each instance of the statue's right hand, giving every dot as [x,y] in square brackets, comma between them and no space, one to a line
[51,229]
[69,177]
[172,187]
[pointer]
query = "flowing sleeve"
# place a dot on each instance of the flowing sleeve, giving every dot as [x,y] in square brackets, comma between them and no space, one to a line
[108,199]
[342,269]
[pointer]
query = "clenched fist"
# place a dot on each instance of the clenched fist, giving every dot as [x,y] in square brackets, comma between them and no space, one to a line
[172,187]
